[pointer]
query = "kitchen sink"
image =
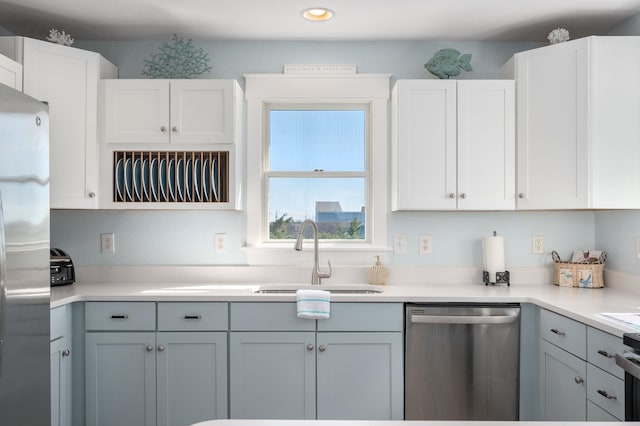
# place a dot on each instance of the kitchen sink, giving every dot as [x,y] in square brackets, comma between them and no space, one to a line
[342,289]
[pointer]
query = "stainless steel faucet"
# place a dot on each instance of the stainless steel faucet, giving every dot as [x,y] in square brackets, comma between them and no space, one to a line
[317,274]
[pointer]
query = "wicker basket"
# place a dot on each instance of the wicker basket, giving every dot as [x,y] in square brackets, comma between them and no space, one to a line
[570,274]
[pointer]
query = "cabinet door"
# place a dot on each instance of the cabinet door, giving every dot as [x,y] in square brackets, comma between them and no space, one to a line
[486,145]
[136,111]
[425,145]
[272,375]
[202,111]
[67,79]
[192,377]
[120,379]
[552,126]
[10,73]
[360,376]
[61,382]
[563,389]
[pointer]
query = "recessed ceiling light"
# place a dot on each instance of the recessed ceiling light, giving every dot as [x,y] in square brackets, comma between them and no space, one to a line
[317,14]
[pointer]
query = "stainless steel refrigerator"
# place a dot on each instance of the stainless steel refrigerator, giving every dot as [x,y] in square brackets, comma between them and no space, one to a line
[24,260]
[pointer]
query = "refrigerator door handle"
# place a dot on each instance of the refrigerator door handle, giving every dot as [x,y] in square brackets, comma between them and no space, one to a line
[3,274]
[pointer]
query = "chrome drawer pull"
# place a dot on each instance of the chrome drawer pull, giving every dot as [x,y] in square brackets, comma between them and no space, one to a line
[125,316]
[605,353]
[192,317]
[606,395]
[558,332]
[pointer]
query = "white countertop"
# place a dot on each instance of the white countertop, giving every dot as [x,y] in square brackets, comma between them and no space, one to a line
[391,423]
[577,303]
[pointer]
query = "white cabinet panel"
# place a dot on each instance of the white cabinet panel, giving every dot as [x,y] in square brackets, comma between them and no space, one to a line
[10,73]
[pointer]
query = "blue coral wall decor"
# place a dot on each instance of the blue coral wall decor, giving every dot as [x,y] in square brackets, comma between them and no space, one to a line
[448,63]
[177,59]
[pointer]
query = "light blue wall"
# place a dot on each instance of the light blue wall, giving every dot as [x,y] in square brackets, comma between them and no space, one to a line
[186,238]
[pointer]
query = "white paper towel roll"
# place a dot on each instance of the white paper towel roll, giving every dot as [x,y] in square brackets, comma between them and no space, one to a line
[493,254]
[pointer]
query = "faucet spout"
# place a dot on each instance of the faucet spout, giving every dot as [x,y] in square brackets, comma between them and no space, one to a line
[316,274]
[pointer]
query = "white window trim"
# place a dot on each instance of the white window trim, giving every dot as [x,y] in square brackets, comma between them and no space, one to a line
[262,89]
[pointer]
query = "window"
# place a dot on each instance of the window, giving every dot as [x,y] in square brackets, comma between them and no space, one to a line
[317,148]
[317,168]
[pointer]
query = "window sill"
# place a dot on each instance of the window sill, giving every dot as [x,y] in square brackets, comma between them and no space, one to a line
[282,253]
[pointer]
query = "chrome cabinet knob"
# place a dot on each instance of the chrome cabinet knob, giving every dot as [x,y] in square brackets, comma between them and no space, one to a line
[174,129]
[160,348]
[148,348]
[521,195]
[163,129]
[452,195]
[322,348]
[66,352]
[463,195]
[310,347]
[92,195]
[579,379]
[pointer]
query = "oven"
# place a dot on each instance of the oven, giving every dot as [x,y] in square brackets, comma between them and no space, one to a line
[629,361]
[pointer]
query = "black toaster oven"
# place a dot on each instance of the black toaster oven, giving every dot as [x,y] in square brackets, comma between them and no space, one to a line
[62,272]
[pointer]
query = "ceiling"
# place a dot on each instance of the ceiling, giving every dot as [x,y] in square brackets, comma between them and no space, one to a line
[355,20]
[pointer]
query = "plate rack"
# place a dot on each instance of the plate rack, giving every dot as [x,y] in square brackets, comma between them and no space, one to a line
[171,176]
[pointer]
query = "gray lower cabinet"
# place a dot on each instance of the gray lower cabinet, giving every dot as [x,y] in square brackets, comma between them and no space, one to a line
[563,388]
[155,377]
[347,367]
[60,351]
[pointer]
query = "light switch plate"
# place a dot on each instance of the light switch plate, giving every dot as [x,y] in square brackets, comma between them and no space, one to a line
[399,244]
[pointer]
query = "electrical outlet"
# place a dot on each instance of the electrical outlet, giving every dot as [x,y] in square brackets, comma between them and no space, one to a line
[638,247]
[220,243]
[537,244]
[107,243]
[425,244]
[399,244]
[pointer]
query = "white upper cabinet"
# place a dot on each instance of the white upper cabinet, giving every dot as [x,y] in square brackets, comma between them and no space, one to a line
[171,111]
[10,73]
[453,145]
[578,139]
[67,79]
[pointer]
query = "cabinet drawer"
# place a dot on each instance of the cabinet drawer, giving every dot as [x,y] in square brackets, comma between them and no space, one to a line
[364,317]
[58,325]
[597,414]
[601,350]
[566,333]
[192,316]
[117,316]
[606,391]
[261,316]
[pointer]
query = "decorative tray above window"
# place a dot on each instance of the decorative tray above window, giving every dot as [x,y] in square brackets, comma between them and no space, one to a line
[170,176]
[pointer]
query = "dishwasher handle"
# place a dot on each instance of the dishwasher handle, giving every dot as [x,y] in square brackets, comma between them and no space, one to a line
[463,319]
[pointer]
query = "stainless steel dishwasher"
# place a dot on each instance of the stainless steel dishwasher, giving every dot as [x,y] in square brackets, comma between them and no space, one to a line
[462,362]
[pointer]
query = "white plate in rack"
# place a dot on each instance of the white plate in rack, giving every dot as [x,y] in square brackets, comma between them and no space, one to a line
[119,175]
[153,180]
[171,182]
[163,180]
[214,179]
[188,180]
[144,178]
[197,180]
[137,172]
[206,180]
[128,179]
[180,180]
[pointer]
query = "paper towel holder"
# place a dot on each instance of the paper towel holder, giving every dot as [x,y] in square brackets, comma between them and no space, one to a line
[501,278]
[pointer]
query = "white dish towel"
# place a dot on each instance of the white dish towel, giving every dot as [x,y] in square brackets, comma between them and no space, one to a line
[313,304]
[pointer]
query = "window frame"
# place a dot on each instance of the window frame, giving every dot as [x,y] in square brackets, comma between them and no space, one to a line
[264,89]
[268,173]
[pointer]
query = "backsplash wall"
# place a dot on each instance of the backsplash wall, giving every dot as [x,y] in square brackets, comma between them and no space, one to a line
[186,238]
